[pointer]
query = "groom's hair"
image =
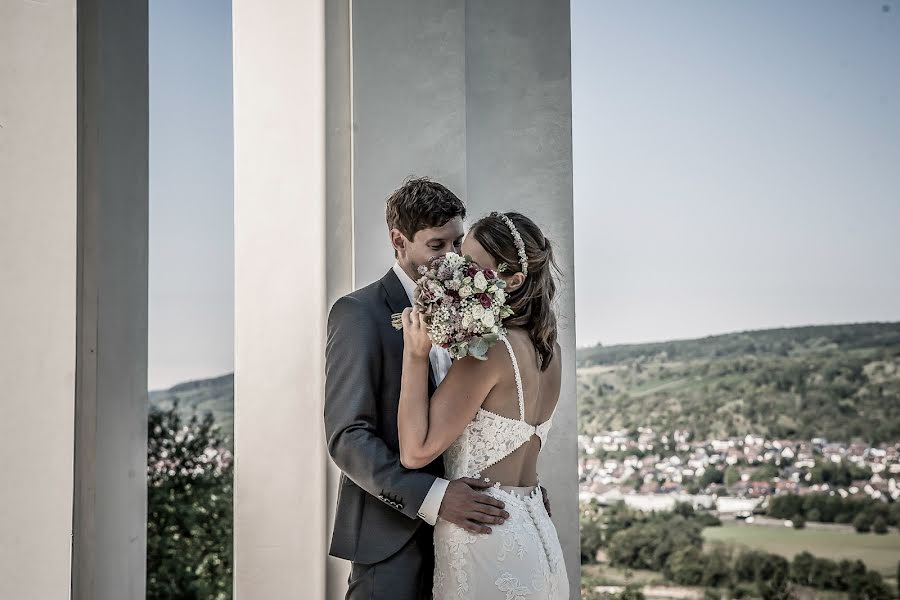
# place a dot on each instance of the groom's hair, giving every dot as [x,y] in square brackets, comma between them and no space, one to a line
[421,204]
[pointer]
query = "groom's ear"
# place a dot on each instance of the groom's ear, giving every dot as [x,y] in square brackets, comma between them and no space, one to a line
[398,240]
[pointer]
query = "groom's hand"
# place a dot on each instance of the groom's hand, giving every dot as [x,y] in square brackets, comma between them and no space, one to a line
[546,501]
[470,509]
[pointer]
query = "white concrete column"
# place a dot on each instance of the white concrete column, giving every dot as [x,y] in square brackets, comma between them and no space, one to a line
[519,157]
[109,546]
[38,247]
[477,95]
[73,242]
[292,254]
[409,111]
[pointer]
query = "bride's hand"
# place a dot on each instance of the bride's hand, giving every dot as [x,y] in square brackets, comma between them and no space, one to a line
[415,333]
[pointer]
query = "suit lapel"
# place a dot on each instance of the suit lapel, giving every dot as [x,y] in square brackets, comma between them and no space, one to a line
[397,300]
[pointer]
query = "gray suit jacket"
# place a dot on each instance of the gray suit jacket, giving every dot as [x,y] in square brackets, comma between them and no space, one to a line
[378,498]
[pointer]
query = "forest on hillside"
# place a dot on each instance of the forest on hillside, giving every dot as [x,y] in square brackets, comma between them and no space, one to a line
[841,382]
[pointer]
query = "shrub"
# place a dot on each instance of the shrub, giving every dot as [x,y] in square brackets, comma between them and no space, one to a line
[189,506]
[772,578]
[746,565]
[879,525]
[871,587]
[801,568]
[686,566]
[718,568]
[863,522]
[648,545]
[591,532]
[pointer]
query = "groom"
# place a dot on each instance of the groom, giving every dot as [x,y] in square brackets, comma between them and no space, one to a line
[384,511]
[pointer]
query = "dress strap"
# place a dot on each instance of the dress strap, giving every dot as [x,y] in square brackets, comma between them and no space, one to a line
[515,364]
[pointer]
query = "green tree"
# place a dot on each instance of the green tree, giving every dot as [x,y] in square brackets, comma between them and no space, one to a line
[189,506]
[711,475]
[746,565]
[591,531]
[732,476]
[685,509]
[871,587]
[648,545]
[717,571]
[849,574]
[863,522]
[894,514]
[772,581]
[686,566]
[801,568]
[764,473]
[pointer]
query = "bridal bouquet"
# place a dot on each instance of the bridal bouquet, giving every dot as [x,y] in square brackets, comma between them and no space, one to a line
[464,305]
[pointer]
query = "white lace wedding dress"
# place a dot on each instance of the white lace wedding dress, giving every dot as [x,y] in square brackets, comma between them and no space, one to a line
[520,559]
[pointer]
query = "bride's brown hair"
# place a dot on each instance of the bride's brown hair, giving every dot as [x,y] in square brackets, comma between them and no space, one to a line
[532,302]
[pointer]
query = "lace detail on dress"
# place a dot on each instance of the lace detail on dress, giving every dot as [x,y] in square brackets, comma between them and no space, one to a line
[520,559]
[490,437]
[509,584]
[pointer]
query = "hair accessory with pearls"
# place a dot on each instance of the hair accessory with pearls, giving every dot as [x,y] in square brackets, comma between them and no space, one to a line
[517,240]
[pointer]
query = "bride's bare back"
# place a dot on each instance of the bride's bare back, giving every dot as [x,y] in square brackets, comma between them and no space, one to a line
[541,393]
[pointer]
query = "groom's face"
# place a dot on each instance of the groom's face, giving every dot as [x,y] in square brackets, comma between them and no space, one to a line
[427,244]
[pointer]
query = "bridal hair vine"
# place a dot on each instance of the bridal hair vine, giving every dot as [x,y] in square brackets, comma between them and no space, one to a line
[517,240]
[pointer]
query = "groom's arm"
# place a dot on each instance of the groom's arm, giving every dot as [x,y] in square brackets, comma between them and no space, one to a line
[352,364]
[431,505]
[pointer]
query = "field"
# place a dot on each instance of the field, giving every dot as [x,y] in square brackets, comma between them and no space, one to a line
[879,552]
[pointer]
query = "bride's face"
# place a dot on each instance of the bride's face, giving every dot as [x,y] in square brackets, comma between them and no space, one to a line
[481,257]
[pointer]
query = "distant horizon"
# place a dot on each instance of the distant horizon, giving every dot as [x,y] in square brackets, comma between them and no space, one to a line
[731,332]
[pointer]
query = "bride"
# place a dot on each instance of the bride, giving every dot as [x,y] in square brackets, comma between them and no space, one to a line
[490,419]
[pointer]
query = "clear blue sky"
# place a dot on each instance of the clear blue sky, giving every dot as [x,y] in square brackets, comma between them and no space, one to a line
[736,167]
[191,300]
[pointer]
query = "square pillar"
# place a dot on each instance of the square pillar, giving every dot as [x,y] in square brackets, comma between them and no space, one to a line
[293,241]
[73,241]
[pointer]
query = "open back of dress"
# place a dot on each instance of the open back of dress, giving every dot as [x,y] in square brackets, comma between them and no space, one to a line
[502,448]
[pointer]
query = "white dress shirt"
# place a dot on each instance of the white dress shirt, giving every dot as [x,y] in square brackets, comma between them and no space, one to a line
[440,363]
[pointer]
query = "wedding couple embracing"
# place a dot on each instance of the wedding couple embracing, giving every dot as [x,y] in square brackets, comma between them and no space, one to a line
[440,495]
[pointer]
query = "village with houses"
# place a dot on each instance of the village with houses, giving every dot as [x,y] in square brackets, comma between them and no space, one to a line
[734,476]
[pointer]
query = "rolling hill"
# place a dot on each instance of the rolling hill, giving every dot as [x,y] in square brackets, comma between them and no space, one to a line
[215,395]
[841,382]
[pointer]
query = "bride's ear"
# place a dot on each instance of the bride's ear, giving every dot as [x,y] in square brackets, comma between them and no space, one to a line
[515,282]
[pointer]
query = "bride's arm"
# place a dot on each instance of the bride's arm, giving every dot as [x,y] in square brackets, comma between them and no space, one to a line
[426,428]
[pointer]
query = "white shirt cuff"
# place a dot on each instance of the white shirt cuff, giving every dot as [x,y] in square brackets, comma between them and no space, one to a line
[431,505]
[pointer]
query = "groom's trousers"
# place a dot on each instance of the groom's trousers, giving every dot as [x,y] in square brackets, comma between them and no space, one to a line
[405,575]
